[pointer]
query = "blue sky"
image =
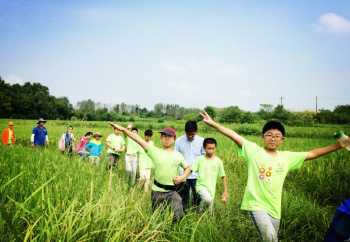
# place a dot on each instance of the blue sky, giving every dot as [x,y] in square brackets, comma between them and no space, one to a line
[193,53]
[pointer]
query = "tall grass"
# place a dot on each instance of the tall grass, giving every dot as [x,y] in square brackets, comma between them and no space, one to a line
[46,196]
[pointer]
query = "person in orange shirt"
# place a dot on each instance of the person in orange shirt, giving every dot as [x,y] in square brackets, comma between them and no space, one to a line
[8,135]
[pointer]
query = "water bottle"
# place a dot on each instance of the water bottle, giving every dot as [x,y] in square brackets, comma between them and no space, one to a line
[343,139]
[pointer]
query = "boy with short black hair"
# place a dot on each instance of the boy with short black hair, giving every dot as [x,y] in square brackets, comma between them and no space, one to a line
[145,163]
[208,168]
[267,170]
[165,163]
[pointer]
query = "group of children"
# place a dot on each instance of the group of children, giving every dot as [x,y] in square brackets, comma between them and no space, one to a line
[267,170]
[90,146]
[189,165]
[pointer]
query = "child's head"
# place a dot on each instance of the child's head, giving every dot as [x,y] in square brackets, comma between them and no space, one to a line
[167,137]
[273,134]
[116,131]
[88,134]
[191,129]
[134,130]
[209,145]
[70,129]
[97,135]
[148,134]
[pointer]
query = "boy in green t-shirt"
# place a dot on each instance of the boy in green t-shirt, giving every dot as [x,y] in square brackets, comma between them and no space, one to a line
[132,155]
[208,168]
[166,163]
[115,144]
[267,169]
[145,163]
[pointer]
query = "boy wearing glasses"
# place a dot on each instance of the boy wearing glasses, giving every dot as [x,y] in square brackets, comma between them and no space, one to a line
[267,169]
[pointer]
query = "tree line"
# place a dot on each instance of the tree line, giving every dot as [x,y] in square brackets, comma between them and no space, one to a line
[33,100]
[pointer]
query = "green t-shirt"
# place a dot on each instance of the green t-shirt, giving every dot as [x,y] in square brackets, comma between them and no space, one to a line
[144,161]
[116,141]
[208,170]
[166,166]
[266,176]
[132,147]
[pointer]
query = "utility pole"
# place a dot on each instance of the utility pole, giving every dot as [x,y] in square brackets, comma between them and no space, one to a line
[316,104]
[281,102]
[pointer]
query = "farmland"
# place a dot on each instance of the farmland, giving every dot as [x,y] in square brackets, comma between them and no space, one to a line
[47,196]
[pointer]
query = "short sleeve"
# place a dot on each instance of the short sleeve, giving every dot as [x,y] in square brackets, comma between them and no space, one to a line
[221,169]
[248,149]
[295,160]
[153,152]
[33,131]
[46,133]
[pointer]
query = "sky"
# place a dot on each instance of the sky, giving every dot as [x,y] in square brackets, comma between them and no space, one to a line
[192,53]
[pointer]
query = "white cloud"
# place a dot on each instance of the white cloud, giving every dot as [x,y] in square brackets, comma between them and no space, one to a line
[333,23]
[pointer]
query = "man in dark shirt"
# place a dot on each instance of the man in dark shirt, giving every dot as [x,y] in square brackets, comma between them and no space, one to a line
[39,136]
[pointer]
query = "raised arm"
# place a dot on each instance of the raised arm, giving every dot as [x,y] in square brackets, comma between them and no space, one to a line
[318,152]
[131,135]
[225,131]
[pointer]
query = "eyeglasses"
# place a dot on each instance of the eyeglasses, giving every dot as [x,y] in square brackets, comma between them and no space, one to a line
[271,136]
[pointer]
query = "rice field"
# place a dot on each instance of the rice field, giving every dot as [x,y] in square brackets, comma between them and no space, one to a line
[47,196]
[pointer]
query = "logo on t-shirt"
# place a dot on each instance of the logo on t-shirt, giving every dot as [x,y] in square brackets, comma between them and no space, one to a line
[265,173]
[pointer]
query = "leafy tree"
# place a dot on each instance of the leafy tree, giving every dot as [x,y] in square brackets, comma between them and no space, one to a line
[211,111]
[231,114]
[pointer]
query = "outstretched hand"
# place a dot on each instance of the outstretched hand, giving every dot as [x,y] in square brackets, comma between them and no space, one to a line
[206,118]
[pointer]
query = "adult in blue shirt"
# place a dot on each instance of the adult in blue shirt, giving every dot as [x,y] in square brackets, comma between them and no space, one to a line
[190,146]
[39,136]
[339,230]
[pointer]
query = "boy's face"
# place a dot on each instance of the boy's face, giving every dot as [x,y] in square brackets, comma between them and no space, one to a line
[190,135]
[117,132]
[167,141]
[135,131]
[148,138]
[210,149]
[97,137]
[273,138]
[70,130]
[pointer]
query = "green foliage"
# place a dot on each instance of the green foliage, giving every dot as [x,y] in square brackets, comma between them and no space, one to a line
[32,100]
[231,114]
[211,111]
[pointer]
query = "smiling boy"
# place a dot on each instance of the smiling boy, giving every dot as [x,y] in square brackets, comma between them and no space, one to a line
[267,170]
